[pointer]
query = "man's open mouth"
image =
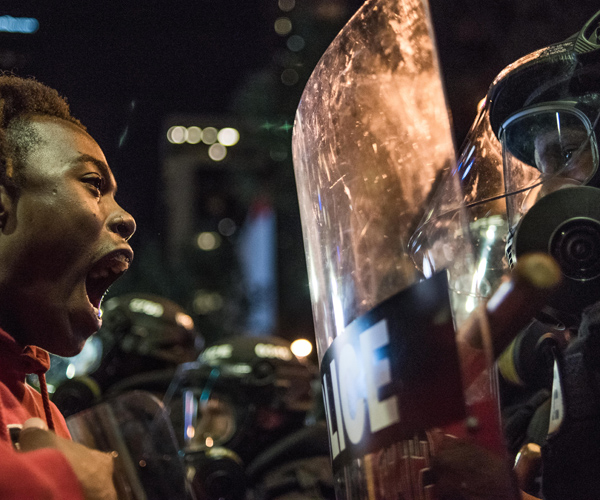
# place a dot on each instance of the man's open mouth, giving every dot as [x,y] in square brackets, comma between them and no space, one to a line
[104,273]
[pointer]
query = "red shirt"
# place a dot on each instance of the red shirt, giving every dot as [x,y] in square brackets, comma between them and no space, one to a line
[42,474]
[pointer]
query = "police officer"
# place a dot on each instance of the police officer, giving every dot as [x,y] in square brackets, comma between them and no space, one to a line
[249,397]
[534,146]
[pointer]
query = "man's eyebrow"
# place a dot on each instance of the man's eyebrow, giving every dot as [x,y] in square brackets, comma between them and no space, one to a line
[100,165]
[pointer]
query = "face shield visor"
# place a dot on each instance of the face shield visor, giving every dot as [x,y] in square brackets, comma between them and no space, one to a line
[204,407]
[545,148]
[479,178]
[518,193]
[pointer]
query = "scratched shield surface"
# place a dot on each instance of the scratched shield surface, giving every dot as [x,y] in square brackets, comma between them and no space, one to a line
[371,138]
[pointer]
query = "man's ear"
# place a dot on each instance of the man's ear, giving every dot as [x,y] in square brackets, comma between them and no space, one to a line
[7,203]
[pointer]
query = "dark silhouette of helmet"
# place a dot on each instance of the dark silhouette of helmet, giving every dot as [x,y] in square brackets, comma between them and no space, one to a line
[561,70]
[545,110]
[143,338]
[246,393]
[150,327]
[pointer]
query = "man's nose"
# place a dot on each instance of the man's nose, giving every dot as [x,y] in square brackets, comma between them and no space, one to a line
[123,224]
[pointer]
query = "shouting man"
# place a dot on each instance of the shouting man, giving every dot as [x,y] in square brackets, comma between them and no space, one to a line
[63,242]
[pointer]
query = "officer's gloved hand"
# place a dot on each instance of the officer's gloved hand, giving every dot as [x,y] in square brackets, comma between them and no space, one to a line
[94,469]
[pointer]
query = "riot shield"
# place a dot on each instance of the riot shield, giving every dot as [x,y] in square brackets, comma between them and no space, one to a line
[136,429]
[371,143]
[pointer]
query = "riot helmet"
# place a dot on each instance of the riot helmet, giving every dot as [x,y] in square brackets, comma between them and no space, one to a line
[529,170]
[243,393]
[143,338]
[151,327]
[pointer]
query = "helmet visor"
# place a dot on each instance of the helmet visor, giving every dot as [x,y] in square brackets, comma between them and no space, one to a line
[545,148]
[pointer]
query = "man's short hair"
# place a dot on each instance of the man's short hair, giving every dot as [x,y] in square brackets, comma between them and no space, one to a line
[20,100]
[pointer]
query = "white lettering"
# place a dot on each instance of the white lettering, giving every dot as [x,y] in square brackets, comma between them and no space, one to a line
[384,413]
[353,396]
[338,410]
[353,406]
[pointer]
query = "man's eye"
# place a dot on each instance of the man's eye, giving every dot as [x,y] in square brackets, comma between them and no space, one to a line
[568,153]
[96,182]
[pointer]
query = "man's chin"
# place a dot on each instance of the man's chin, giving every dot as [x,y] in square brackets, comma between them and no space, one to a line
[67,342]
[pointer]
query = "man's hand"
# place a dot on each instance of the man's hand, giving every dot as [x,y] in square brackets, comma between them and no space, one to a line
[93,468]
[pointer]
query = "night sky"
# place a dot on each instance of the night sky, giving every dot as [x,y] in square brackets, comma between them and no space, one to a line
[125,65]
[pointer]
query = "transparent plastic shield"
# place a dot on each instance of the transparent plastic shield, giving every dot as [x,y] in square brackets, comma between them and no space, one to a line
[480,175]
[391,265]
[371,138]
[546,148]
[136,429]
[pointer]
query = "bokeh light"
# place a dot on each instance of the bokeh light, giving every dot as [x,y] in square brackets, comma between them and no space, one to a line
[208,240]
[206,302]
[295,43]
[227,227]
[289,77]
[9,24]
[217,152]
[209,135]
[177,134]
[301,347]
[228,136]
[184,320]
[283,26]
[286,5]
[194,135]
[278,153]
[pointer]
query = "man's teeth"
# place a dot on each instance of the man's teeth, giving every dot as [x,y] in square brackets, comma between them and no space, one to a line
[116,268]
[97,312]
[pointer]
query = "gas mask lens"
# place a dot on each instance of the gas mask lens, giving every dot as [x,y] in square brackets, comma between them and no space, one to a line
[548,147]
[216,421]
[209,420]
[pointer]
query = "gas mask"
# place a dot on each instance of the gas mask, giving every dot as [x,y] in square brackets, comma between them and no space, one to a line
[529,171]
[531,183]
[550,158]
